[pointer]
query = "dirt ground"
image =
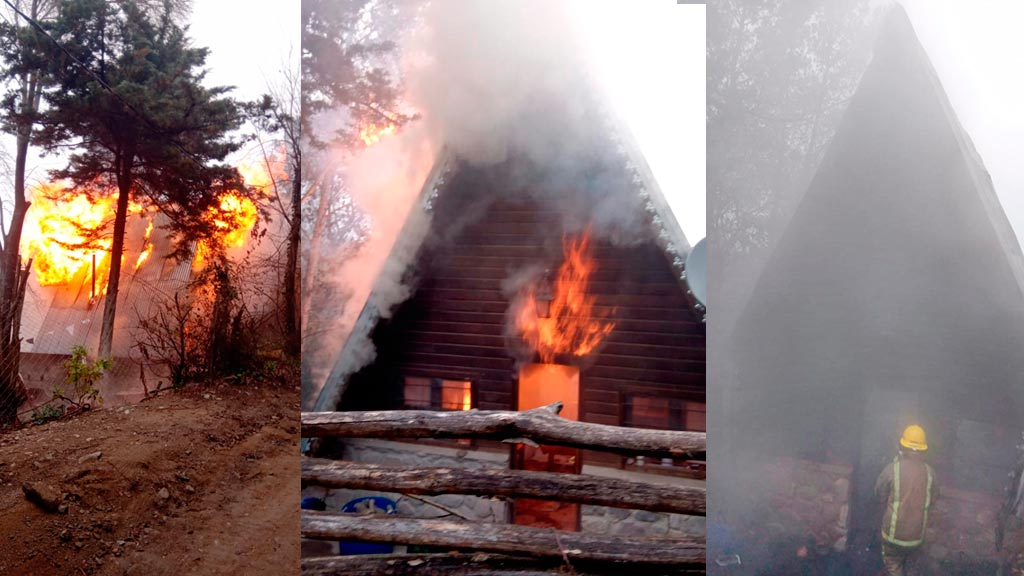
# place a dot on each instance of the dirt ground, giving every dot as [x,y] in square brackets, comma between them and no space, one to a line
[204,481]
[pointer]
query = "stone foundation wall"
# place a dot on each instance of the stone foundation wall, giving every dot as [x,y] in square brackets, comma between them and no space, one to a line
[623,522]
[792,501]
[406,454]
[121,385]
[813,497]
[962,522]
[810,500]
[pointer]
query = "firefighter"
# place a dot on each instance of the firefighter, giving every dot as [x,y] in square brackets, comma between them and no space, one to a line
[907,486]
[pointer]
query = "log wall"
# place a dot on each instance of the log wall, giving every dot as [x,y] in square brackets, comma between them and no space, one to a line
[454,324]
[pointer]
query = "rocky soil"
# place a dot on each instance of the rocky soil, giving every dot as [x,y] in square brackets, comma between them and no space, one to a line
[204,481]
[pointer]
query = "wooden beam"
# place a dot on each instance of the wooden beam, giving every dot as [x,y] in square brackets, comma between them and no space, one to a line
[582,489]
[459,565]
[506,539]
[542,425]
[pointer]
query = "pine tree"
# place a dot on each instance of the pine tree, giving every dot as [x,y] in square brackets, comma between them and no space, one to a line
[349,63]
[127,92]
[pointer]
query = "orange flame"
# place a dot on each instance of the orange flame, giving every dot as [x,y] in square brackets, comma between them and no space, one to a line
[63,232]
[65,229]
[235,215]
[147,246]
[570,327]
[457,395]
[234,218]
[370,135]
[261,173]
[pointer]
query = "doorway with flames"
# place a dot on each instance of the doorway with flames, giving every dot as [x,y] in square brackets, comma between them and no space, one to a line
[558,331]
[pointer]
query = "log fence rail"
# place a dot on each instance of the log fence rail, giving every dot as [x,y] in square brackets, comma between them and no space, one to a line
[494,549]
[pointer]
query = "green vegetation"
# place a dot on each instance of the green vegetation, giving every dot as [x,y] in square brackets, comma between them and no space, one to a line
[81,379]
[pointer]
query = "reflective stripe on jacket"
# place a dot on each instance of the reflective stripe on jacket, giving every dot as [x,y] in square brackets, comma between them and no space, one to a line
[906,486]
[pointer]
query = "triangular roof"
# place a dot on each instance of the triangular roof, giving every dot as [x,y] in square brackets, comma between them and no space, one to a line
[898,269]
[666,230]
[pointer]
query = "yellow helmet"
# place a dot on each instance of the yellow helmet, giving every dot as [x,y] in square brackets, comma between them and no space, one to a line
[914,439]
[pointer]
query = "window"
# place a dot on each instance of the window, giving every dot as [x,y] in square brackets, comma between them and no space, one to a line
[437,394]
[663,413]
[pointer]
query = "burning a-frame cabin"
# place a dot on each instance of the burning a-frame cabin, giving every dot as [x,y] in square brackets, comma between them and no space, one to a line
[540,278]
[64,300]
[64,307]
[893,297]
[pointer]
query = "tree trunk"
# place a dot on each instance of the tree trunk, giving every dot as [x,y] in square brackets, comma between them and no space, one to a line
[462,565]
[217,356]
[541,425]
[686,552]
[582,489]
[315,241]
[293,321]
[12,277]
[125,158]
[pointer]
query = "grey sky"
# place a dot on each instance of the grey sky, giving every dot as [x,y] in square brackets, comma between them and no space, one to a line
[651,59]
[252,42]
[976,48]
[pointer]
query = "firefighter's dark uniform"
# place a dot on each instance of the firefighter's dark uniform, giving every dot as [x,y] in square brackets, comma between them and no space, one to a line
[907,486]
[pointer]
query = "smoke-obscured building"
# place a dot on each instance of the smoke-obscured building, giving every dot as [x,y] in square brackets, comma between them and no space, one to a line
[894,296]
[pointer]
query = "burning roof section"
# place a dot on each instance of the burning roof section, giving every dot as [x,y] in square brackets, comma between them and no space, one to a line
[67,237]
[59,314]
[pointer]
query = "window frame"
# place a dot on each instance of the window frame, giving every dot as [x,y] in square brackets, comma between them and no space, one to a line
[436,393]
[677,414]
[436,382]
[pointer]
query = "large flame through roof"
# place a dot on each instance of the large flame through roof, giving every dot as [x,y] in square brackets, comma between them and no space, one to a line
[370,135]
[234,216]
[570,327]
[67,229]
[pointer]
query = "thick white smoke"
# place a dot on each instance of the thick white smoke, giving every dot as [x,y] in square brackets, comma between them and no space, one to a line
[491,81]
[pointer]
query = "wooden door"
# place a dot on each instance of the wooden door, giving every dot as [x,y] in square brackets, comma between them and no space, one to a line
[540,385]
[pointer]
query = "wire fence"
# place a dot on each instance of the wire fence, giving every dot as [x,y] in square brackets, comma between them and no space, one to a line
[34,387]
[14,393]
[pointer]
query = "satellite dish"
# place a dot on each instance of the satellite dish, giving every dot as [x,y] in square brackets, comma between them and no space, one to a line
[697,271]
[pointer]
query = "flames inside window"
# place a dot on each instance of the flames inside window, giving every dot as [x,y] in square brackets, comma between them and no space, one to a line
[437,394]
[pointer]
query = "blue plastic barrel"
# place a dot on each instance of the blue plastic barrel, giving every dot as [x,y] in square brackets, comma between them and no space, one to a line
[314,503]
[358,548]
